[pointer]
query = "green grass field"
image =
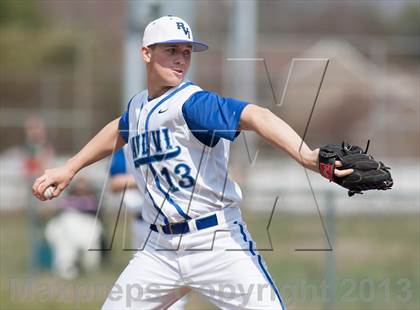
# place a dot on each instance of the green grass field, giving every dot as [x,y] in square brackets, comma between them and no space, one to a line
[376,265]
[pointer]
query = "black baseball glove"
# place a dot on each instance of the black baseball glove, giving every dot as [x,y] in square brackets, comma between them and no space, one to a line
[367,172]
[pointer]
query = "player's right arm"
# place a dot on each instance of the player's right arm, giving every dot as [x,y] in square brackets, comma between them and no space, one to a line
[102,145]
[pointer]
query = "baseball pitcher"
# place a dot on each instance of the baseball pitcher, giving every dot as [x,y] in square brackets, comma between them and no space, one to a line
[178,137]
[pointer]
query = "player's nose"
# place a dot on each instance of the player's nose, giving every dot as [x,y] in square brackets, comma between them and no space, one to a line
[180,60]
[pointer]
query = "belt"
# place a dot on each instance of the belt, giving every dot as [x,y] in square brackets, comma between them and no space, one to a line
[183,227]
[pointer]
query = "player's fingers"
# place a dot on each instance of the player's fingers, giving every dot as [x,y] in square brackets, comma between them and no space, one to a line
[34,187]
[342,173]
[57,191]
[42,187]
[36,184]
[39,196]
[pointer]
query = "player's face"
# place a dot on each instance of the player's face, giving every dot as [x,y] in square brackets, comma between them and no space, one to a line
[169,63]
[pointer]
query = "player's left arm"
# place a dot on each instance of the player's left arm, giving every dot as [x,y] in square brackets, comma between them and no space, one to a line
[281,135]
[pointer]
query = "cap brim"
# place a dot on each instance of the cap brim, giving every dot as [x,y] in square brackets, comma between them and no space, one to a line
[196,46]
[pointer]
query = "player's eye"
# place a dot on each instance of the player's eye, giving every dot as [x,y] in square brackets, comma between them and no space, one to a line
[171,50]
[187,53]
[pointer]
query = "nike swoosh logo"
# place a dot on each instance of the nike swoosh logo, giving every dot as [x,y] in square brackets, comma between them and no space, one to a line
[162,111]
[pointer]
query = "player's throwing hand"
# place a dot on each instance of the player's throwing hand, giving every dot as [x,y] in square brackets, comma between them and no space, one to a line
[58,178]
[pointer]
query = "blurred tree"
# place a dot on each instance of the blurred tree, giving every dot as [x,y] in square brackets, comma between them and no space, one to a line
[24,14]
[22,22]
[33,49]
[63,53]
[49,63]
[409,19]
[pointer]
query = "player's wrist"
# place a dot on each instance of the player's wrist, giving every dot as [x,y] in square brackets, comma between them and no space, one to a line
[310,160]
[72,167]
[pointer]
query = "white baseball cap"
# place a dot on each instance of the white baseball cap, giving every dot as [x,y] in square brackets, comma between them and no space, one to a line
[171,29]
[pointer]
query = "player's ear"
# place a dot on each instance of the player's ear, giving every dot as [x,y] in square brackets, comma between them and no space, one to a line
[146,54]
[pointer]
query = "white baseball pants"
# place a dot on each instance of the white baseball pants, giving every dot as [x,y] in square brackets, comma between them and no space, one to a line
[140,232]
[218,262]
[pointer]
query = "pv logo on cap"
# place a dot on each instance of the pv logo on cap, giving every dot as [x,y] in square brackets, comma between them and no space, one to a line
[181,25]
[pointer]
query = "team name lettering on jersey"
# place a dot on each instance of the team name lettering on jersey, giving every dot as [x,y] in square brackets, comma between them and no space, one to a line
[157,141]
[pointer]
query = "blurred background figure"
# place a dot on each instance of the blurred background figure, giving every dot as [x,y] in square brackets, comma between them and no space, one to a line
[37,150]
[121,181]
[74,234]
[36,154]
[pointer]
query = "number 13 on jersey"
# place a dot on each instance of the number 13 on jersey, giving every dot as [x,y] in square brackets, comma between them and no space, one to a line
[183,177]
